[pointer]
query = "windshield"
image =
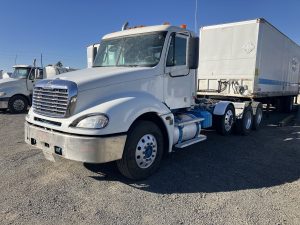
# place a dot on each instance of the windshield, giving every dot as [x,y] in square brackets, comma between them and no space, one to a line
[139,50]
[20,73]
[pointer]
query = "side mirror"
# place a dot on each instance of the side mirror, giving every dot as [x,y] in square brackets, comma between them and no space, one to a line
[193,52]
[92,51]
[38,74]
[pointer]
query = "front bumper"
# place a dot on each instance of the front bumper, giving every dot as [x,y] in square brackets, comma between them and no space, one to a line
[4,103]
[73,147]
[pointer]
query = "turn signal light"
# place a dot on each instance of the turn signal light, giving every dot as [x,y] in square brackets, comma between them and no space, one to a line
[183,26]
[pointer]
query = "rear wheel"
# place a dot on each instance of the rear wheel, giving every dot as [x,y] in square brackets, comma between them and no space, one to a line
[18,104]
[243,126]
[257,118]
[143,151]
[224,124]
[287,104]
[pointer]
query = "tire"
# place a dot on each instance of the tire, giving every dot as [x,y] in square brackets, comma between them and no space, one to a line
[17,104]
[243,126]
[287,104]
[143,151]
[258,117]
[224,124]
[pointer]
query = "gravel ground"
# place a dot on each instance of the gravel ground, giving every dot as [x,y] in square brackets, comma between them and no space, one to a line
[225,180]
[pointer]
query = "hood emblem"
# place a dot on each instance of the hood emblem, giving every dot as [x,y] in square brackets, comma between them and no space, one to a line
[49,84]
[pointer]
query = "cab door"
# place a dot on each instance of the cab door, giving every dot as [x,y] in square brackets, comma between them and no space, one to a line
[178,79]
[31,80]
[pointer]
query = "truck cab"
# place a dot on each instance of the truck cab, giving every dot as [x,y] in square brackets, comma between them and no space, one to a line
[134,105]
[16,91]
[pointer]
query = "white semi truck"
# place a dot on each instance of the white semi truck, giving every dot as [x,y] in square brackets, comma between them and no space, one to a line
[137,102]
[249,60]
[16,91]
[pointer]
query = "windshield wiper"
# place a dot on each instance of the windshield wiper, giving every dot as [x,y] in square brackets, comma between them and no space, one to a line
[133,65]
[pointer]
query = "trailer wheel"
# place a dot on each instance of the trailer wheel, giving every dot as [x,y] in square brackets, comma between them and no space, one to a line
[243,126]
[288,103]
[257,119]
[143,151]
[224,124]
[17,104]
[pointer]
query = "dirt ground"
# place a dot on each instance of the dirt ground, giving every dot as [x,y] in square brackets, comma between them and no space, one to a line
[224,180]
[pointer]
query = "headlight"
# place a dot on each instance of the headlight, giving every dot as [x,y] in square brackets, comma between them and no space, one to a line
[92,122]
[2,93]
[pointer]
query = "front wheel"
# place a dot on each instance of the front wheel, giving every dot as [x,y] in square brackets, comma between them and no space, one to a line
[143,151]
[18,104]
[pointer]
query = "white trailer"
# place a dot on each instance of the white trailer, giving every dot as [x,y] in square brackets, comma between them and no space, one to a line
[54,70]
[249,60]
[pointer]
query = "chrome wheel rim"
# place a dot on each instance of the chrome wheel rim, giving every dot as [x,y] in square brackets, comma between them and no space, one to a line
[228,120]
[248,118]
[18,105]
[146,151]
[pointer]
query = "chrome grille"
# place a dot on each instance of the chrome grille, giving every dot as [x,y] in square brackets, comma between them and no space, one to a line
[52,98]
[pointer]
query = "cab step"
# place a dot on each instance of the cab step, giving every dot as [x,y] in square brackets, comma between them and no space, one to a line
[191,142]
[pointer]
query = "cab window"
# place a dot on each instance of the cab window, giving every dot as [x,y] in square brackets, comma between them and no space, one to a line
[177,51]
[31,74]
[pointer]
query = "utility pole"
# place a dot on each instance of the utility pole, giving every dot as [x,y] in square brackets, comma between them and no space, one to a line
[196,13]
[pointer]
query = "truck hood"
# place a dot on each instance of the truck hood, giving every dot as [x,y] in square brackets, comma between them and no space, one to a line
[9,82]
[92,78]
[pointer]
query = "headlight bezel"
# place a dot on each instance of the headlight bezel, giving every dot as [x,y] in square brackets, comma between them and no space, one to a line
[75,123]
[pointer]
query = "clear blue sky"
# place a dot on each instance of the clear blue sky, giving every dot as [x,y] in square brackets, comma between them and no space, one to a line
[61,29]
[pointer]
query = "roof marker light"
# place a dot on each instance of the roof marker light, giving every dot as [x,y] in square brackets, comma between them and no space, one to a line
[183,26]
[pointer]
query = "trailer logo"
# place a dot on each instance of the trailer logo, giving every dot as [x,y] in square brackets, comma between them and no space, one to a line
[248,47]
[295,65]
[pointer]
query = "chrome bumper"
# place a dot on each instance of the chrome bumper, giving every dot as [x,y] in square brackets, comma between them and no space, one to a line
[78,148]
[3,104]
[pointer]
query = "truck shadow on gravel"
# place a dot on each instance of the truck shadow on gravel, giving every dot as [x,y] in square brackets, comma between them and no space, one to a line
[6,112]
[266,158]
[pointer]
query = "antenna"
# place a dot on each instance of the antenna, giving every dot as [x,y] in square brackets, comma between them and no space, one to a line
[196,12]
[41,60]
[16,59]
